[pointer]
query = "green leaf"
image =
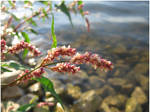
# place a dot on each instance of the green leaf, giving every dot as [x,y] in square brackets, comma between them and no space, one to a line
[80,2]
[48,86]
[18,35]
[5,69]
[11,3]
[14,65]
[54,44]
[26,37]
[33,31]
[65,10]
[25,108]
[81,10]
[15,17]
[28,2]
[45,13]
[32,22]
[44,2]
[25,52]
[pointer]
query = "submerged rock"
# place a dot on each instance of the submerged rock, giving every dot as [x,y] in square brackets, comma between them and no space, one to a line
[139,95]
[59,86]
[29,98]
[41,109]
[106,90]
[141,68]
[119,49]
[117,81]
[36,89]
[96,82]
[143,81]
[117,100]
[73,91]
[88,102]
[12,92]
[132,105]
[8,77]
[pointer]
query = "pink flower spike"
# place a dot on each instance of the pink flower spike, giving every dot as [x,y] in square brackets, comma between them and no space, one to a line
[65,67]
[59,51]
[45,103]
[21,46]
[3,47]
[36,73]
[94,59]
[80,6]
[86,13]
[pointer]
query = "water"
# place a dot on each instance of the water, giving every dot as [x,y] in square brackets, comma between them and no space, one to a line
[119,32]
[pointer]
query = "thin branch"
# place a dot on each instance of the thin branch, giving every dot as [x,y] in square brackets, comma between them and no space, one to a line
[14,82]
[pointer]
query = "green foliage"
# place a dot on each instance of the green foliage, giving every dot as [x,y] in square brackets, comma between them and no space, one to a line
[32,22]
[17,34]
[11,3]
[44,2]
[65,10]
[5,69]
[48,86]
[54,44]
[33,31]
[25,108]
[13,65]
[45,13]
[27,39]
[15,17]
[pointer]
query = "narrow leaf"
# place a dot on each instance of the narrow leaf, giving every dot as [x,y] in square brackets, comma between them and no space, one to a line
[25,108]
[5,69]
[45,13]
[33,31]
[27,39]
[32,22]
[44,2]
[18,35]
[15,17]
[25,52]
[14,65]
[54,44]
[80,2]
[65,10]
[48,86]
[11,3]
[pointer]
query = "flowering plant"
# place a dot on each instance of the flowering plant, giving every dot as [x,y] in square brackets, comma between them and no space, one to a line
[59,59]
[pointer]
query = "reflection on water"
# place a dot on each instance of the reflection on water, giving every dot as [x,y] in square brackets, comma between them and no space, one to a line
[119,32]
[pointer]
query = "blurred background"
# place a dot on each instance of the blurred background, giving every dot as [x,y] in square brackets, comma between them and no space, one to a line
[120,33]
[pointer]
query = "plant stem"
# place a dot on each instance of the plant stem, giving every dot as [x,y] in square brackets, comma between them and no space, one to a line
[14,82]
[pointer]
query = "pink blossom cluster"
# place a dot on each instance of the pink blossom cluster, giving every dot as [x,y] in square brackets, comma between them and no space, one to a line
[36,73]
[21,46]
[59,51]
[93,59]
[65,67]
[3,45]
[45,104]
[80,6]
